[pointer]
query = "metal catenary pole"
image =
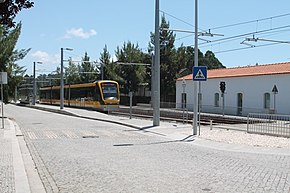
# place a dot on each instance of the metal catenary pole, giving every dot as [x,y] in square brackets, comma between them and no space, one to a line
[61,80]
[2,108]
[195,103]
[34,85]
[156,92]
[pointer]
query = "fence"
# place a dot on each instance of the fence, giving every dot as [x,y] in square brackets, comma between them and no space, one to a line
[269,124]
[227,110]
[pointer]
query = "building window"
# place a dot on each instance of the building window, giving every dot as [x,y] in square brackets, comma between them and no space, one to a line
[240,104]
[216,99]
[267,100]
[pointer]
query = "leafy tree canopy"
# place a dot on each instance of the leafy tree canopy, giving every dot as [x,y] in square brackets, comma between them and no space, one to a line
[10,8]
[9,57]
[131,70]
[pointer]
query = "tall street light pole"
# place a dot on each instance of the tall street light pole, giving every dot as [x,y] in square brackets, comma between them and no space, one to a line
[195,103]
[34,83]
[61,77]
[156,66]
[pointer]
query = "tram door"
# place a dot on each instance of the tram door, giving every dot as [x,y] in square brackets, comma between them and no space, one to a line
[240,104]
[82,102]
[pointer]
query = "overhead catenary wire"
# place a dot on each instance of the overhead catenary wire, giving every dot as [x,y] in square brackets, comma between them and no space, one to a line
[251,21]
[247,34]
[227,26]
[232,38]
[180,20]
[244,48]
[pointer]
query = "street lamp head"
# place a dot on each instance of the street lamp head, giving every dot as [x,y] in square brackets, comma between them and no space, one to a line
[39,62]
[69,49]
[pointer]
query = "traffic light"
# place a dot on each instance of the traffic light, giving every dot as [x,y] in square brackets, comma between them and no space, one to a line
[222,87]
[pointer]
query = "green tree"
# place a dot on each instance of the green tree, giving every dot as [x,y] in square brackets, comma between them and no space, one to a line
[185,59]
[88,72]
[131,71]
[175,63]
[15,77]
[10,8]
[9,57]
[53,78]
[72,73]
[211,61]
[109,67]
[168,63]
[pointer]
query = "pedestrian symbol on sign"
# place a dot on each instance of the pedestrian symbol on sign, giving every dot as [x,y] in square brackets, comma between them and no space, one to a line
[199,75]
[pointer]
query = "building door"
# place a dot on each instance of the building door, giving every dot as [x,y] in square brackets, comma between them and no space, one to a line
[240,104]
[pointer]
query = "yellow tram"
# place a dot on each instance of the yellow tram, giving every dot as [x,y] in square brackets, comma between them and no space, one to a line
[102,95]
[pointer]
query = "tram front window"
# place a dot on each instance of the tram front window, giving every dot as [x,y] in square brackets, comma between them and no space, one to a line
[110,93]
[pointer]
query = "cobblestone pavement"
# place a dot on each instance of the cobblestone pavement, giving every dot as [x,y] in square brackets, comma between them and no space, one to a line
[242,137]
[79,155]
[128,162]
[13,176]
[6,164]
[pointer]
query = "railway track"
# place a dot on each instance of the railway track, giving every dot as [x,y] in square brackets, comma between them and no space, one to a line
[179,116]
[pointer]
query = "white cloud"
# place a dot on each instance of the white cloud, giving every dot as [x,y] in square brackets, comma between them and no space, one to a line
[44,57]
[79,33]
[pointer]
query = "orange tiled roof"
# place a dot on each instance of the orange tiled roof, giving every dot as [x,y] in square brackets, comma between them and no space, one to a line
[258,70]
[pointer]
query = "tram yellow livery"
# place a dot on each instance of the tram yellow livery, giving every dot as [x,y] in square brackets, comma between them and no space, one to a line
[103,95]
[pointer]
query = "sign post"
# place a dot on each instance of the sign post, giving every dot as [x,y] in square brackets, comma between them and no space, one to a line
[275,91]
[3,80]
[131,99]
[199,73]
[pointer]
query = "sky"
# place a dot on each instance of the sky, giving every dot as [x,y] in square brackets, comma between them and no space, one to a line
[89,25]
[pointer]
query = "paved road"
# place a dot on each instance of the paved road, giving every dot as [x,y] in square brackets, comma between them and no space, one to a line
[80,155]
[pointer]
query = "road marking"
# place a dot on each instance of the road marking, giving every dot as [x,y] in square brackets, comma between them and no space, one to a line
[31,135]
[51,134]
[88,133]
[70,134]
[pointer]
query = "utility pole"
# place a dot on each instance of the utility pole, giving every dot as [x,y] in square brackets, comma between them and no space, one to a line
[156,78]
[195,97]
[34,82]
[62,78]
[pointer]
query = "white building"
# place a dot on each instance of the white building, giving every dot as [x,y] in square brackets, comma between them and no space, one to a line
[248,90]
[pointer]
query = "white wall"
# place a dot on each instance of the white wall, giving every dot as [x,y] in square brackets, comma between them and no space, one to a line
[252,87]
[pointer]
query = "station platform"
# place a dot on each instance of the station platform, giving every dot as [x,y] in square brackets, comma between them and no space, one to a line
[231,137]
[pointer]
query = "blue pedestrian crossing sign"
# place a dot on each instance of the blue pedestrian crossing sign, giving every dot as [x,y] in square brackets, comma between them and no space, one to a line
[199,73]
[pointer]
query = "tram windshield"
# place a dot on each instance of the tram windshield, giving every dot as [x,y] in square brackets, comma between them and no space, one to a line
[110,91]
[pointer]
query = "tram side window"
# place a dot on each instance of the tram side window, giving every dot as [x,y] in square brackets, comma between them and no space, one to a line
[56,94]
[89,91]
[66,93]
[74,94]
[45,94]
[42,94]
[77,93]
